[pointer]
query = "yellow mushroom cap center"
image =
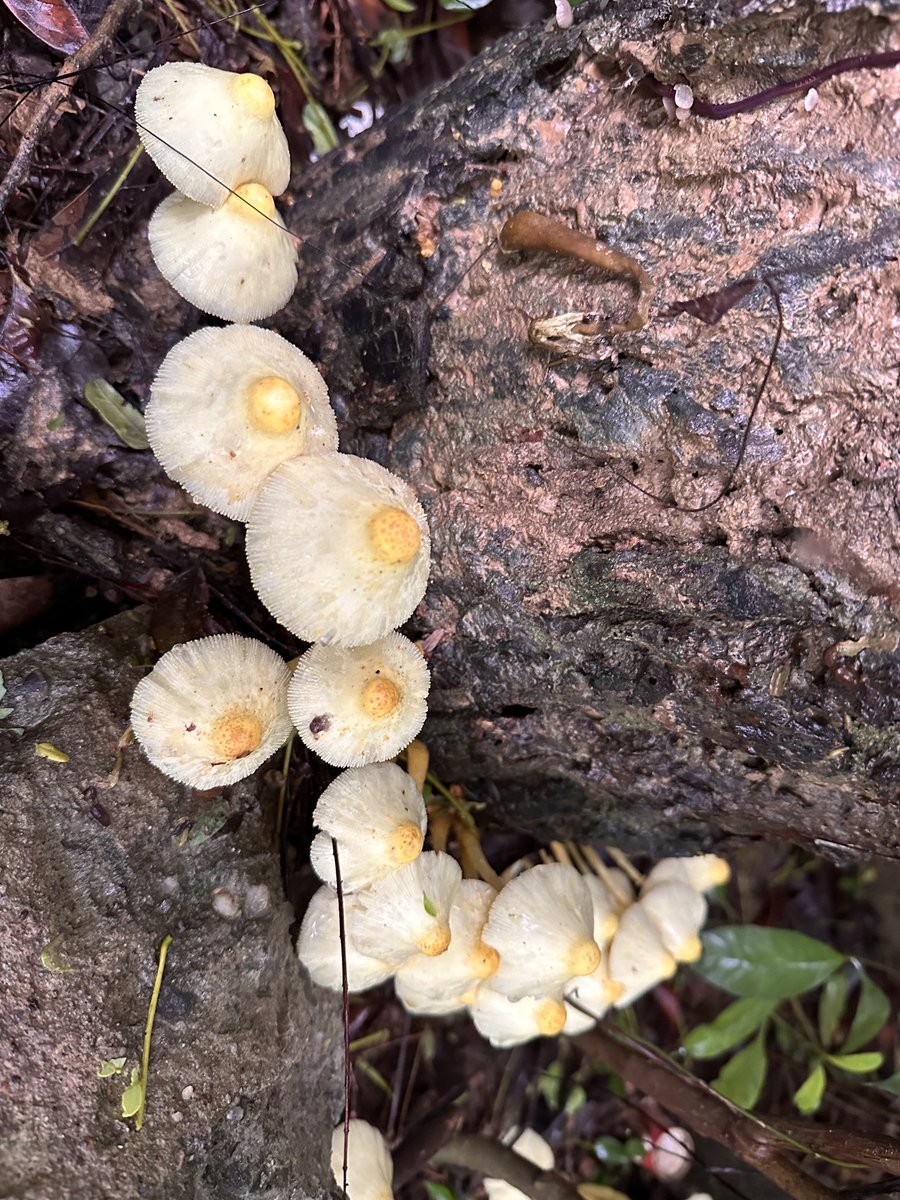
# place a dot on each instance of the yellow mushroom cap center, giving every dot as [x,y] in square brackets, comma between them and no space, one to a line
[550,1016]
[690,949]
[254,95]
[380,698]
[612,990]
[483,961]
[235,734]
[273,405]
[251,201]
[395,536]
[435,941]
[406,843]
[667,966]
[719,872]
[583,958]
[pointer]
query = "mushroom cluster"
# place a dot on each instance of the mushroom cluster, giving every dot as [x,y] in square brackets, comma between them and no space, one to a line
[548,953]
[241,418]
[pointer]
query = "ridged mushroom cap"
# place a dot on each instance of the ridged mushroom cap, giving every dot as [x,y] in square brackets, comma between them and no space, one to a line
[319,947]
[679,913]
[209,130]
[370,1168]
[211,711]
[360,705]
[357,537]
[438,985]
[237,262]
[700,871]
[230,405]
[506,1022]
[377,815]
[542,925]
[638,960]
[408,911]
[531,1146]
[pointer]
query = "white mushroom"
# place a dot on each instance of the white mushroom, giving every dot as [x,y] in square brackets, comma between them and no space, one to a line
[440,985]
[408,911]
[230,405]
[370,1169]
[377,815]
[360,705]
[209,131]
[542,925]
[701,872]
[211,711]
[319,947]
[353,533]
[237,262]
[506,1022]
[638,960]
[679,913]
[531,1146]
[605,908]
[593,994]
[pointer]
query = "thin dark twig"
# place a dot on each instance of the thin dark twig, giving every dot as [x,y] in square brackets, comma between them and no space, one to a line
[345,1004]
[398,1077]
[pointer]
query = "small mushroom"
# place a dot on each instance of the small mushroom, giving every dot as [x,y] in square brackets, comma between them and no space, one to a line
[353,533]
[679,913]
[370,1168]
[360,705]
[437,986]
[506,1022]
[638,960]
[237,262]
[408,911]
[209,131]
[593,994]
[377,816]
[230,405]
[542,925]
[212,710]
[605,908]
[319,947]
[700,871]
[531,1146]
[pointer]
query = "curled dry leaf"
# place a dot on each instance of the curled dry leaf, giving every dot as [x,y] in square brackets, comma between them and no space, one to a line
[52,21]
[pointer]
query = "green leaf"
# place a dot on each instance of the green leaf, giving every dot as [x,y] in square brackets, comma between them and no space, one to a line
[123,418]
[438,1191]
[858,1064]
[549,1085]
[133,1096]
[775,964]
[731,1027]
[110,1066]
[318,125]
[873,1011]
[401,6]
[741,1079]
[612,1153]
[50,752]
[832,999]
[891,1084]
[429,906]
[575,1100]
[808,1095]
[375,1076]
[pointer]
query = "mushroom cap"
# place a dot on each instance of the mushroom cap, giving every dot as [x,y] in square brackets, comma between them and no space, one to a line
[605,909]
[700,871]
[638,960]
[209,131]
[338,700]
[370,1169]
[319,947]
[593,993]
[542,924]
[506,1022]
[377,815]
[679,913]
[531,1146]
[328,520]
[408,911]
[212,710]
[237,262]
[204,419]
[438,985]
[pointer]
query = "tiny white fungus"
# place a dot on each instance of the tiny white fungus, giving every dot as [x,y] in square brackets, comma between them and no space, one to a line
[678,912]
[684,96]
[370,1169]
[506,1022]
[531,1146]
[700,871]
[230,405]
[638,960]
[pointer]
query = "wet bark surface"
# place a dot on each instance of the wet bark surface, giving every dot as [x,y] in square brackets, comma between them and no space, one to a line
[609,667]
[94,877]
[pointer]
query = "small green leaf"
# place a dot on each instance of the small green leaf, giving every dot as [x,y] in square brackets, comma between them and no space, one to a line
[123,418]
[873,1011]
[133,1096]
[731,1027]
[50,752]
[50,959]
[56,422]
[891,1084]
[437,1191]
[374,1076]
[429,906]
[575,1100]
[741,1079]
[318,125]
[4,713]
[612,1153]
[111,1066]
[832,999]
[401,6]
[858,1064]
[775,964]
[808,1095]
[549,1085]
